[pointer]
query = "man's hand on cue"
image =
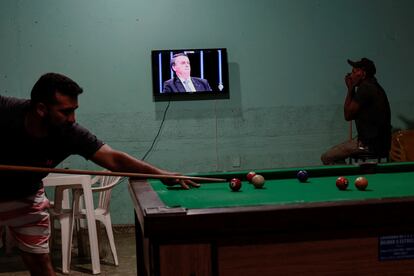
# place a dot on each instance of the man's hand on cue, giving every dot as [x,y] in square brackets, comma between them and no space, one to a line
[185,183]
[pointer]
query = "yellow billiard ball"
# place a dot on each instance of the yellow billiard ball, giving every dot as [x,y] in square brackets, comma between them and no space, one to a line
[258,181]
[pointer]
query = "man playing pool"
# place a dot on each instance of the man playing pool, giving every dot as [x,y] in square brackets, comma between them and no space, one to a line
[42,132]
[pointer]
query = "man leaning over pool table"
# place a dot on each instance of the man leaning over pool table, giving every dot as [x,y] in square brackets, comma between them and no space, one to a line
[42,132]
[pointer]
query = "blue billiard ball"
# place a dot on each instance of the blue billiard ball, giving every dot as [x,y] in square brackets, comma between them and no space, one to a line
[302,176]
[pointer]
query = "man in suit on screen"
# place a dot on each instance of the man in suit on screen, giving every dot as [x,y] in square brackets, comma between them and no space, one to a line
[182,81]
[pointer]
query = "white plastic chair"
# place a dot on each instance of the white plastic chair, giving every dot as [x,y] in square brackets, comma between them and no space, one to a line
[102,214]
[67,214]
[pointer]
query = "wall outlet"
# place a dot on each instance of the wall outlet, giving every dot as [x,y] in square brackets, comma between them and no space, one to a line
[235,162]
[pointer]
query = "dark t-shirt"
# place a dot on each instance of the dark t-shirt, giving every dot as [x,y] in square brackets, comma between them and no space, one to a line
[373,121]
[18,148]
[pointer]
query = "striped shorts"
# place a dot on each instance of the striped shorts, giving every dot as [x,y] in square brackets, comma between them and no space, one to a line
[28,222]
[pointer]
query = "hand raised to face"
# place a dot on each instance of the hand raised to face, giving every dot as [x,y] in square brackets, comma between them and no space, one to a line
[354,79]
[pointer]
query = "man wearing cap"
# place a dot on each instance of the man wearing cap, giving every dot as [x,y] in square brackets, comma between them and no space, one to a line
[367,104]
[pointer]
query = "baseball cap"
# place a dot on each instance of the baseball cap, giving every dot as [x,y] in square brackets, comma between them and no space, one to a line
[365,64]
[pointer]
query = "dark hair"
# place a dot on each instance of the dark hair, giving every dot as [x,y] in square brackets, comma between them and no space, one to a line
[172,61]
[45,88]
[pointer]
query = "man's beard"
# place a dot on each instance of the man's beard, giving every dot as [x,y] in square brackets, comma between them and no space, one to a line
[54,128]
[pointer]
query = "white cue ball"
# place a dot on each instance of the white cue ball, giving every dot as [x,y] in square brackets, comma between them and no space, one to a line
[258,181]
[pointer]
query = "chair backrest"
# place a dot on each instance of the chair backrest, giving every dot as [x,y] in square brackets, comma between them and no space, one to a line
[402,146]
[105,185]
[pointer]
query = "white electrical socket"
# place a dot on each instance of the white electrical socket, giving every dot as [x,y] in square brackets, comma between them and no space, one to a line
[235,161]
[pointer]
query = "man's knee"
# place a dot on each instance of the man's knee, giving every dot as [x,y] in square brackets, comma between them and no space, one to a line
[325,159]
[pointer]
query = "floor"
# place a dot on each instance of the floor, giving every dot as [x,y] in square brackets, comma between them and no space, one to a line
[11,265]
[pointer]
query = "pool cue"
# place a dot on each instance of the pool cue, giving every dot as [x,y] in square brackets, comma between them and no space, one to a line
[86,172]
[350,130]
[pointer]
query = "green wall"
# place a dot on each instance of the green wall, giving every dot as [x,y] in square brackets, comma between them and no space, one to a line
[287,65]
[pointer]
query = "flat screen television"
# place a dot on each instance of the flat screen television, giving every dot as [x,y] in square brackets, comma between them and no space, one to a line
[206,68]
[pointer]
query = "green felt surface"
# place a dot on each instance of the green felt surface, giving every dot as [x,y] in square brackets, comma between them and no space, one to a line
[286,190]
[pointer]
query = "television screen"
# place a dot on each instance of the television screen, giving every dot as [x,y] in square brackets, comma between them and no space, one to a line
[190,74]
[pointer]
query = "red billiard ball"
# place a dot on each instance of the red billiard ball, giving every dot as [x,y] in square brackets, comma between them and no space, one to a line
[342,183]
[258,181]
[235,184]
[361,183]
[250,175]
[302,176]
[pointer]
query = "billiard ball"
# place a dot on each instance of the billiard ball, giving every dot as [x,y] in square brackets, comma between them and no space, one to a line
[302,176]
[258,181]
[342,183]
[249,176]
[235,184]
[361,183]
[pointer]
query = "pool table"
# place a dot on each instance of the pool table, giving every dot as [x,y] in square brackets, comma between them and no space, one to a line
[286,228]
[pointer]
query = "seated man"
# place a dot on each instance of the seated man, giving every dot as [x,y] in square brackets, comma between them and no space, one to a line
[367,104]
[183,82]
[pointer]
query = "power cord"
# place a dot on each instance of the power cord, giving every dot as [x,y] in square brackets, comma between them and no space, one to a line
[158,133]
